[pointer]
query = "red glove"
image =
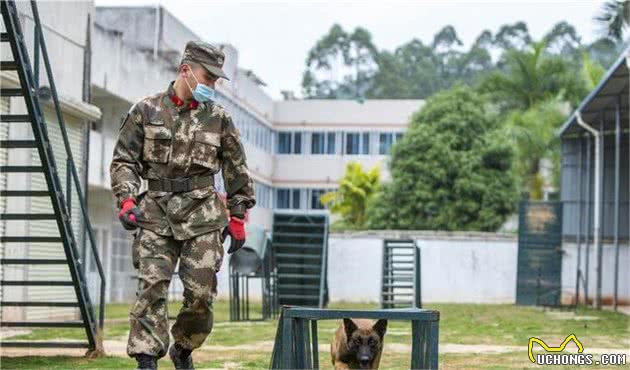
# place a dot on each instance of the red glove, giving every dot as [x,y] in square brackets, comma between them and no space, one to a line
[236,230]
[128,214]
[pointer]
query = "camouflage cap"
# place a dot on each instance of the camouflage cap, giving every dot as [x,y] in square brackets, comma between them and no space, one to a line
[207,55]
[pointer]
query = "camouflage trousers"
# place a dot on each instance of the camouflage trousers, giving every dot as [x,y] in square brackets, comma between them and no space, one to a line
[155,258]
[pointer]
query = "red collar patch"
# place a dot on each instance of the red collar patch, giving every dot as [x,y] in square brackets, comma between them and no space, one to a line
[179,102]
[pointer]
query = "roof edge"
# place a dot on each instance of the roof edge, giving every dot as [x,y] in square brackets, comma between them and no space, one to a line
[623,58]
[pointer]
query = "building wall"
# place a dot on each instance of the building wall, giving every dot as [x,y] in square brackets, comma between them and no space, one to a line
[573,180]
[65,43]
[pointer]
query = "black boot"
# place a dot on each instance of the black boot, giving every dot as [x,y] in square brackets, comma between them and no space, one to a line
[182,358]
[146,361]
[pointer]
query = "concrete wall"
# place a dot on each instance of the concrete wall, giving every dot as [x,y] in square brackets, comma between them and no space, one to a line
[380,113]
[65,41]
[456,267]
[127,73]
[323,170]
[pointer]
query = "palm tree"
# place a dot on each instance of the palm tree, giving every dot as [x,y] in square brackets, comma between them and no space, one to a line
[614,18]
[531,76]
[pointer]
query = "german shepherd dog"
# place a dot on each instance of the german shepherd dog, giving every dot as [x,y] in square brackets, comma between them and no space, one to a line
[358,344]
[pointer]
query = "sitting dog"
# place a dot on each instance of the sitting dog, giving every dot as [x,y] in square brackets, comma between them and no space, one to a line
[358,344]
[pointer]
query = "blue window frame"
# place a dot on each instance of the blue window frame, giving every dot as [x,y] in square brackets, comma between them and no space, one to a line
[330,147]
[352,143]
[297,149]
[296,199]
[317,143]
[283,198]
[365,145]
[284,142]
[385,142]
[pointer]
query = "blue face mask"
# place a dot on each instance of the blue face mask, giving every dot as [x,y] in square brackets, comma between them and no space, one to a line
[202,93]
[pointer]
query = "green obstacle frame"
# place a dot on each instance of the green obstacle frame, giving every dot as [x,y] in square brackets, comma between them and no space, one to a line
[401,278]
[294,348]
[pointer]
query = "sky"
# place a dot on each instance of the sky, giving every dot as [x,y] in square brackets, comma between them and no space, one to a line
[273,37]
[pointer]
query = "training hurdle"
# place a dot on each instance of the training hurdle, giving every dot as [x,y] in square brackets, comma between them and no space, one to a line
[296,345]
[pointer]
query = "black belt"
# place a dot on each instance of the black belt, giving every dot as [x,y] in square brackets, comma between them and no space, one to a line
[181,184]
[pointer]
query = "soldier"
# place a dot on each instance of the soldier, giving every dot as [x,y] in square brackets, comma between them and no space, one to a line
[178,140]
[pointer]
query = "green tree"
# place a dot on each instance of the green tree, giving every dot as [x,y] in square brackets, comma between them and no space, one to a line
[614,18]
[532,133]
[340,65]
[356,188]
[530,76]
[592,72]
[451,170]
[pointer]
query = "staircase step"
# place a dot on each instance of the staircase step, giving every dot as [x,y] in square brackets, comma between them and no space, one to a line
[297,255]
[32,261]
[8,65]
[28,216]
[15,118]
[42,324]
[398,302]
[298,234]
[297,245]
[299,266]
[21,169]
[35,283]
[298,276]
[30,239]
[38,304]
[299,296]
[11,92]
[298,286]
[24,193]
[405,286]
[298,224]
[29,344]
[18,144]
[397,294]
[4,37]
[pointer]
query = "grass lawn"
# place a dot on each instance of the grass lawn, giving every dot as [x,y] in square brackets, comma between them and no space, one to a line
[506,325]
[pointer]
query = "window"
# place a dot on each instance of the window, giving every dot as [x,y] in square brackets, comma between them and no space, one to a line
[399,136]
[352,143]
[288,198]
[296,199]
[385,143]
[297,149]
[315,198]
[317,143]
[283,198]
[365,145]
[330,148]
[284,142]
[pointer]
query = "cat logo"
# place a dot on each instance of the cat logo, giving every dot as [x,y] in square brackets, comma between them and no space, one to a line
[560,348]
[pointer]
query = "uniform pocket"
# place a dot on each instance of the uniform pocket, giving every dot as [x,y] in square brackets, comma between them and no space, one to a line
[157,144]
[205,149]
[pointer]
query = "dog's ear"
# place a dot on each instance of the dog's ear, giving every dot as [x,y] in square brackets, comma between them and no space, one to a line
[349,326]
[380,327]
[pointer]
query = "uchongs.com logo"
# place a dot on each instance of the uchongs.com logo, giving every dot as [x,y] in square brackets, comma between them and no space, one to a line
[555,355]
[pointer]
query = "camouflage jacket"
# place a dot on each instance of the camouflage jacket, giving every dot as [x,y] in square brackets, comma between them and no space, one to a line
[163,137]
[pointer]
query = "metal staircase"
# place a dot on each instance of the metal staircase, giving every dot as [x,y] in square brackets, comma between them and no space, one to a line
[300,247]
[400,285]
[91,319]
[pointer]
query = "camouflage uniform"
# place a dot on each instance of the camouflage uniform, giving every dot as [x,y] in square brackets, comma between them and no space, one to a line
[165,138]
